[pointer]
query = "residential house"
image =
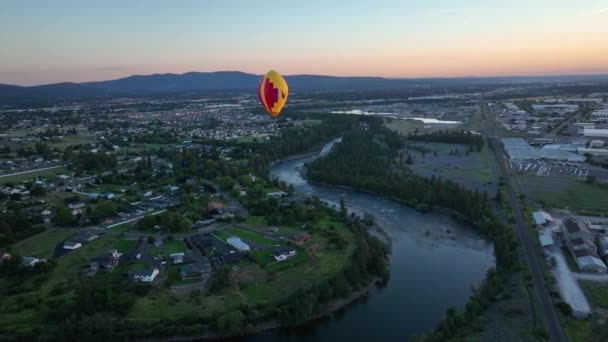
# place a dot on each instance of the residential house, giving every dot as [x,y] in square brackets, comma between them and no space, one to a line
[5,256]
[215,206]
[194,271]
[105,262]
[84,237]
[282,253]
[602,242]
[237,243]
[31,261]
[573,229]
[299,238]
[542,218]
[77,207]
[145,275]
[72,245]
[177,258]
[589,261]
[158,241]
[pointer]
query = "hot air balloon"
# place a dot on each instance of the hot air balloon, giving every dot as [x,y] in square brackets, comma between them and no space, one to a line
[273,92]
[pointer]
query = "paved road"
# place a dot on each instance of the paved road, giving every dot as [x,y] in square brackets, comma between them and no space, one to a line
[553,325]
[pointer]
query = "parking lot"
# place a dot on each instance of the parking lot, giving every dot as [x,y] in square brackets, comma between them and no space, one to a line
[557,168]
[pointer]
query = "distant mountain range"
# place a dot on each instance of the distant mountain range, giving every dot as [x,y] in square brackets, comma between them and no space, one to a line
[231,81]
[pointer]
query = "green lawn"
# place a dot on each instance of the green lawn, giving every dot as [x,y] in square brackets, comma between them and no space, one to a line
[597,293]
[169,247]
[42,245]
[120,228]
[245,235]
[576,330]
[32,175]
[289,263]
[564,192]
[73,140]
[124,246]
[262,257]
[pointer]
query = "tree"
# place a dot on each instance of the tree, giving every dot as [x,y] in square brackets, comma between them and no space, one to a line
[232,322]
[38,191]
[62,216]
[591,179]
[104,209]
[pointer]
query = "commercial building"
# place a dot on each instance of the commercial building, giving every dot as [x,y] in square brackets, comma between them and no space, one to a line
[518,148]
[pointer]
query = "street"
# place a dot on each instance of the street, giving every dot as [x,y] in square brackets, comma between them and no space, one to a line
[553,324]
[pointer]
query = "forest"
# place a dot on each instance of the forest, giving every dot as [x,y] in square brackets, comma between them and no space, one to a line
[366,160]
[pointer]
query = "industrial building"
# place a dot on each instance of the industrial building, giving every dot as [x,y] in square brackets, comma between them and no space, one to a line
[518,148]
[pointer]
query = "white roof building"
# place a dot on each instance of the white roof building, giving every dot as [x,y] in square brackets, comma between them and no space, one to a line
[146,276]
[546,238]
[71,245]
[541,218]
[237,243]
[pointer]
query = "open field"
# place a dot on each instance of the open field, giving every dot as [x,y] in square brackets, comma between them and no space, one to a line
[73,140]
[28,176]
[597,293]
[245,235]
[42,245]
[124,246]
[474,171]
[561,192]
[405,126]
[169,247]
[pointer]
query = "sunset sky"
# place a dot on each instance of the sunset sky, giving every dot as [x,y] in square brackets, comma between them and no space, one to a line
[55,41]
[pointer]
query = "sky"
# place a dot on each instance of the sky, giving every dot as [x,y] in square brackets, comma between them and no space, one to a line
[80,40]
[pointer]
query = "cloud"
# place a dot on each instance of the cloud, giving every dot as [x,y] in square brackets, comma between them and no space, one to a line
[597,11]
[110,68]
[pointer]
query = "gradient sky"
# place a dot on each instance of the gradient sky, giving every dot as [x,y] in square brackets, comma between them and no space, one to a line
[60,40]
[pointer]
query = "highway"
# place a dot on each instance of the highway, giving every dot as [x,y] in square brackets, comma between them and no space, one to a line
[546,309]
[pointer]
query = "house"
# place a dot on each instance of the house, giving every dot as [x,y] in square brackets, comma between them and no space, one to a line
[546,238]
[105,262]
[145,275]
[5,256]
[72,245]
[193,271]
[282,253]
[84,237]
[215,206]
[46,215]
[541,218]
[276,194]
[203,223]
[76,207]
[31,261]
[602,243]
[158,241]
[299,238]
[589,261]
[573,229]
[237,243]
[177,258]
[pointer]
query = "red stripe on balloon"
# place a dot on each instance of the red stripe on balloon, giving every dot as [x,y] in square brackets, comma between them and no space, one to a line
[269,95]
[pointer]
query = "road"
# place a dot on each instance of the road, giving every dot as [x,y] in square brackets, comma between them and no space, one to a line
[551,320]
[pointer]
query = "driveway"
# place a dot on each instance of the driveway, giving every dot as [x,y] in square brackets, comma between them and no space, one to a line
[567,283]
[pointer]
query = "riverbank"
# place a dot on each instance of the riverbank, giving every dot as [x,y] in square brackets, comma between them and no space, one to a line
[326,312]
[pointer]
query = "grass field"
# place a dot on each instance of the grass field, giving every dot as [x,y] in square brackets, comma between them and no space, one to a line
[28,176]
[405,126]
[561,192]
[124,246]
[73,140]
[42,245]
[245,235]
[576,330]
[169,247]
[597,293]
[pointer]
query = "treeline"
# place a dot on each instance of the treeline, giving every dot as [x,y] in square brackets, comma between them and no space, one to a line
[88,161]
[14,226]
[169,221]
[450,137]
[296,140]
[365,161]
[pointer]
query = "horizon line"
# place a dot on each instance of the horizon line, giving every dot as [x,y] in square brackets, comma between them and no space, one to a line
[323,75]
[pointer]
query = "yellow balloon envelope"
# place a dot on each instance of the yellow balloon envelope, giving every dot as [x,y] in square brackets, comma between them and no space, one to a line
[273,92]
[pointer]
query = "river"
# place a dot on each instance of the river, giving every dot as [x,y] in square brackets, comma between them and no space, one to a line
[435,261]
